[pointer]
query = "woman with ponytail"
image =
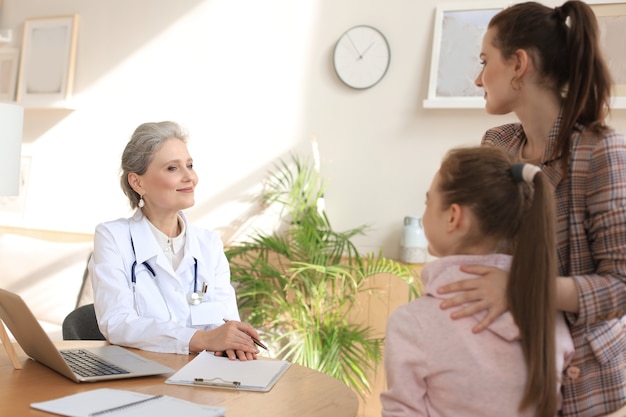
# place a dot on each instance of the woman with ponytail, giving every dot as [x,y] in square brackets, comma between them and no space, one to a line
[481,208]
[545,65]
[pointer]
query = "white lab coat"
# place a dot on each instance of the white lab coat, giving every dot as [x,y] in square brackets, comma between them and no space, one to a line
[145,322]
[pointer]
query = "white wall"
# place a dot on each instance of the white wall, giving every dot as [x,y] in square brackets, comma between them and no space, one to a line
[252,81]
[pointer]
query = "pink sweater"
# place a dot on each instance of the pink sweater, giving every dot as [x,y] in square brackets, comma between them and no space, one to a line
[437,367]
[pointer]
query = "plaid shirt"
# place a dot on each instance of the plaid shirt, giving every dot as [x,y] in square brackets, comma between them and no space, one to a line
[591,236]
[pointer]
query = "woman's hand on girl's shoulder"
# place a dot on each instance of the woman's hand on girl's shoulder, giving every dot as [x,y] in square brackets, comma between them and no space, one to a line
[487,292]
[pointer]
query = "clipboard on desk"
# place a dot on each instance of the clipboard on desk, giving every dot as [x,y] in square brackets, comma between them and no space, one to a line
[210,371]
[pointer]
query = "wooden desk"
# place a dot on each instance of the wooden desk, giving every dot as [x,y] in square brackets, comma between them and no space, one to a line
[301,392]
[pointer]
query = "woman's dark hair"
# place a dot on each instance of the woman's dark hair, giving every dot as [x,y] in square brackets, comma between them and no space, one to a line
[564,43]
[521,215]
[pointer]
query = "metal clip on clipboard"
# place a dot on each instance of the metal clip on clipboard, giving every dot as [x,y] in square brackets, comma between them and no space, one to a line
[216,382]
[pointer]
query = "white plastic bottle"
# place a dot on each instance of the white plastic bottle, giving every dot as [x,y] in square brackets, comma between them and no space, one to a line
[414,246]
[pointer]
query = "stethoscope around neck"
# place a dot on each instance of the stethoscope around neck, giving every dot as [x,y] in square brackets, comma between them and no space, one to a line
[194,298]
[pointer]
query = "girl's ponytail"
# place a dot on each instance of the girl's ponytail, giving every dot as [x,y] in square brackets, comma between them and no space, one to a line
[531,292]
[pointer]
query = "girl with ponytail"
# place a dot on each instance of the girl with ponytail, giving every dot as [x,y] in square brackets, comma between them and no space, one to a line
[482,208]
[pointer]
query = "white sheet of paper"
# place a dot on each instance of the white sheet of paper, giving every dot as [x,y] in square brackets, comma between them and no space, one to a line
[99,400]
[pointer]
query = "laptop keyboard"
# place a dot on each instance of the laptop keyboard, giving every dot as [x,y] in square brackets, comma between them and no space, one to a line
[87,364]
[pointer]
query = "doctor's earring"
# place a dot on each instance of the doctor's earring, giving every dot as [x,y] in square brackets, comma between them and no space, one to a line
[141,203]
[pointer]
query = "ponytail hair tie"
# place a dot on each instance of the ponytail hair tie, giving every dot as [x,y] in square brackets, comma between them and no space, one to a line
[524,172]
[560,13]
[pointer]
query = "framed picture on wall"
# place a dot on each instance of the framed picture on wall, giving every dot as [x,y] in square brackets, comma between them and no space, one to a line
[8,73]
[455,62]
[612,24]
[47,63]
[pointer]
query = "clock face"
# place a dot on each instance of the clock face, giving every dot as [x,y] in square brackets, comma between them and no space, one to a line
[361,57]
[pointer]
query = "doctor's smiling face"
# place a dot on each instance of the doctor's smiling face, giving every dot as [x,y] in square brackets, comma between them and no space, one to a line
[169,182]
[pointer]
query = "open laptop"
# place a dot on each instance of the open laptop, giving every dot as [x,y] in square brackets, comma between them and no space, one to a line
[118,362]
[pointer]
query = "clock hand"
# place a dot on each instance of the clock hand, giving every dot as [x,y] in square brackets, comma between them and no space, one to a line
[367,49]
[354,46]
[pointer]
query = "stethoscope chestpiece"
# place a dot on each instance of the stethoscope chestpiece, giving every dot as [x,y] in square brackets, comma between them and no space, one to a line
[195,298]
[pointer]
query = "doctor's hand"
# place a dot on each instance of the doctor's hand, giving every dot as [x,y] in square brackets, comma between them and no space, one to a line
[232,339]
[487,292]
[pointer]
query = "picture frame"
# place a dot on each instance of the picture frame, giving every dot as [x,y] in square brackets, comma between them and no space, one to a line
[455,63]
[611,17]
[9,58]
[47,63]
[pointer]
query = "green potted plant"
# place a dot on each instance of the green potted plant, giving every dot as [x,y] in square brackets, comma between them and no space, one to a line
[298,284]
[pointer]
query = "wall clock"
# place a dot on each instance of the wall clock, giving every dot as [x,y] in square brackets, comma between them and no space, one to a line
[361,57]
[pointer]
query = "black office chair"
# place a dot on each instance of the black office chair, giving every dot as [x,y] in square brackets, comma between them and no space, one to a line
[81,324]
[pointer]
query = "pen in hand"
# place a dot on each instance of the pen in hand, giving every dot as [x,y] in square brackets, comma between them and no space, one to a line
[254,339]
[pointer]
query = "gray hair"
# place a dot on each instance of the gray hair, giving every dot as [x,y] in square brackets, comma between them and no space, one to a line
[145,141]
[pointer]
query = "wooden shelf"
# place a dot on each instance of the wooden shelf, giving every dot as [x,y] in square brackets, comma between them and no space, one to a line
[50,235]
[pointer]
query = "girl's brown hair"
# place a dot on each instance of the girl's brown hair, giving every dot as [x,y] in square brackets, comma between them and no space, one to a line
[521,215]
[564,42]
